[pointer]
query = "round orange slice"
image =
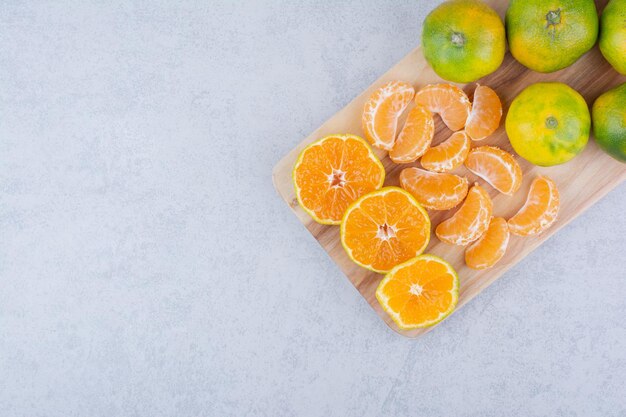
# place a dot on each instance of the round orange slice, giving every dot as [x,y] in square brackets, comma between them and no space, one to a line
[332,173]
[486,113]
[448,155]
[539,211]
[497,167]
[490,247]
[415,137]
[384,228]
[419,292]
[433,190]
[382,110]
[470,221]
[449,101]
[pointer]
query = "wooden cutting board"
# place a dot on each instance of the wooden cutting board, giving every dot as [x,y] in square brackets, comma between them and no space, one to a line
[581,181]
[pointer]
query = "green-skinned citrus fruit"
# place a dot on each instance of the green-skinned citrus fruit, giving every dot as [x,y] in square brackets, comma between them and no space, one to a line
[463,40]
[548,123]
[609,122]
[613,34]
[547,36]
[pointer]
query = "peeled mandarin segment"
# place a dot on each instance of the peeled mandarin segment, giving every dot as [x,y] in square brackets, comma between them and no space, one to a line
[470,221]
[539,211]
[415,137]
[490,247]
[384,228]
[332,173]
[419,292]
[486,113]
[448,155]
[449,101]
[497,167]
[432,190]
[382,110]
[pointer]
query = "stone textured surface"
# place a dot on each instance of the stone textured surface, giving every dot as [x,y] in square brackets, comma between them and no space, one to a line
[148,268]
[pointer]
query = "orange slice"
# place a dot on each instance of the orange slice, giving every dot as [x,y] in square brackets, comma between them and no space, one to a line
[448,155]
[420,292]
[540,209]
[332,173]
[497,167]
[415,137]
[449,101]
[432,190]
[382,110]
[470,221]
[486,113]
[490,247]
[384,228]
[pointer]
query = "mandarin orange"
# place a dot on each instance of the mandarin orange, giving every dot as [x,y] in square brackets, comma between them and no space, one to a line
[419,292]
[384,228]
[332,173]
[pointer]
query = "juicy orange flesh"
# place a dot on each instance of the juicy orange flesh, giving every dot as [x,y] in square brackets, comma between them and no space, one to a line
[540,209]
[448,155]
[335,173]
[490,248]
[497,167]
[420,292]
[386,230]
[449,101]
[432,190]
[470,221]
[486,113]
[381,112]
[415,137]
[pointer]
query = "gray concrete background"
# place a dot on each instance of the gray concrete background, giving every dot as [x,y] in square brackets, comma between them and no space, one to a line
[148,268]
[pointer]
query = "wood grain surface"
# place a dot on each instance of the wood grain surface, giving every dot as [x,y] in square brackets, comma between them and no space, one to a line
[581,181]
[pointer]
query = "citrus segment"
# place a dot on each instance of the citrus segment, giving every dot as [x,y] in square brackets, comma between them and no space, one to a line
[497,167]
[470,221]
[433,190]
[419,292]
[382,110]
[332,173]
[384,228]
[449,154]
[486,113]
[539,211]
[449,101]
[415,137]
[490,247]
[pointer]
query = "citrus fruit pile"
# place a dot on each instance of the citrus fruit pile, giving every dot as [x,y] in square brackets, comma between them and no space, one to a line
[548,123]
[465,40]
[339,180]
